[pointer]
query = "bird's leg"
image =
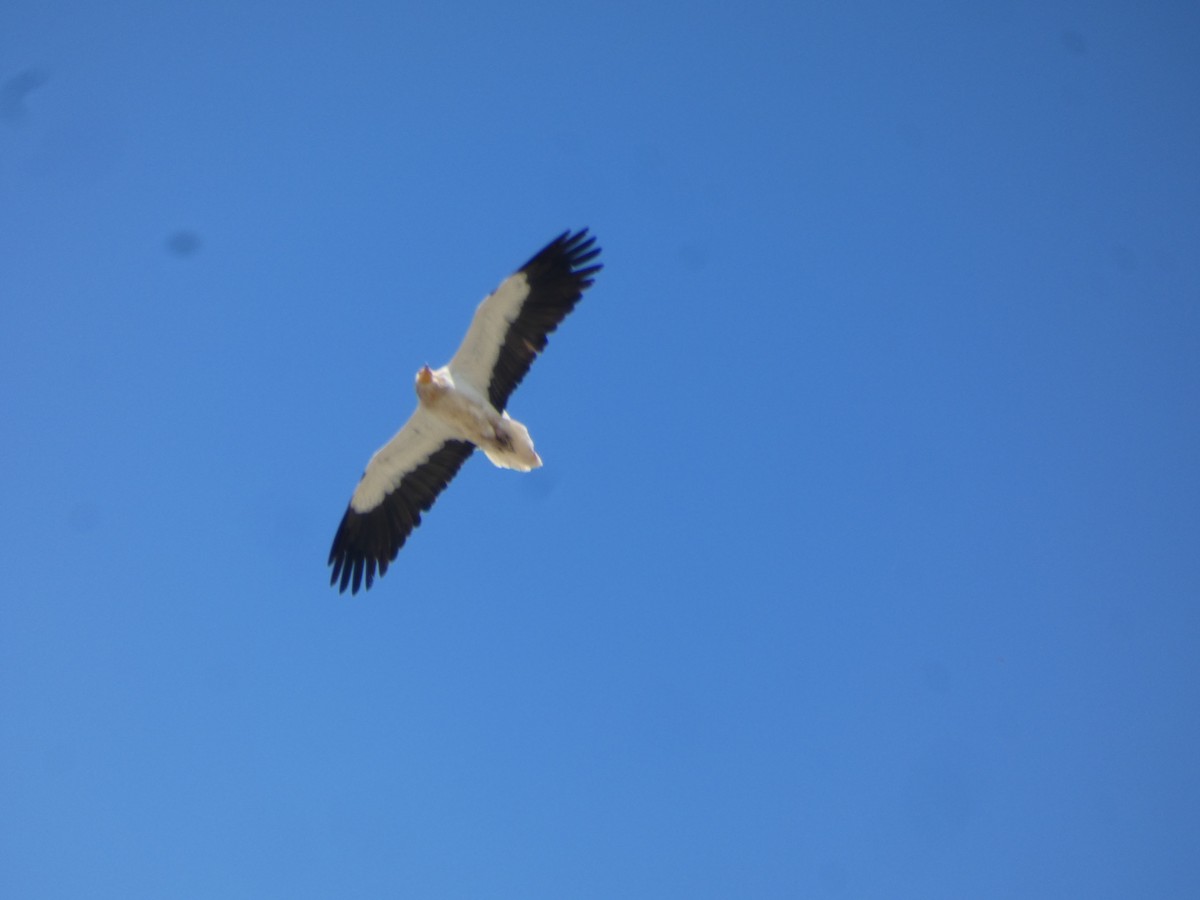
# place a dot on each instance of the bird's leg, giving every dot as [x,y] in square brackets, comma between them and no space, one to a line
[502,438]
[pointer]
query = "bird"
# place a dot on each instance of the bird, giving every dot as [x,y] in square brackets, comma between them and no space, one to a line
[461,406]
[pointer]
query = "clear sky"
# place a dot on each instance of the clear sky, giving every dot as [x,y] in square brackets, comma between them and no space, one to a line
[865,562]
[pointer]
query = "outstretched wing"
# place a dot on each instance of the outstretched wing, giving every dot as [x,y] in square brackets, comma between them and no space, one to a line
[401,481]
[511,324]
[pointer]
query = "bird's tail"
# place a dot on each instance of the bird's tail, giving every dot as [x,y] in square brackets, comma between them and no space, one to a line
[512,447]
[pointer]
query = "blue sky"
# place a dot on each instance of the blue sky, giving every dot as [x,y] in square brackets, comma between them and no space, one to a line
[864,559]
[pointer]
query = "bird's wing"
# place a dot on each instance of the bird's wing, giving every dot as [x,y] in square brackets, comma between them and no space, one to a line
[511,324]
[402,480]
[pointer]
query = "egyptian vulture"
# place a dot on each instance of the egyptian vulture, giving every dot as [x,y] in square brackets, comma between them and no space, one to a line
[461,406]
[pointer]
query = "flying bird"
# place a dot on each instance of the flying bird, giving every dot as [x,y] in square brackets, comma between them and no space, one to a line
[461,406]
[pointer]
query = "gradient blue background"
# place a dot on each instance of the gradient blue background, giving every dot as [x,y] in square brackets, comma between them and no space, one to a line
[866,557]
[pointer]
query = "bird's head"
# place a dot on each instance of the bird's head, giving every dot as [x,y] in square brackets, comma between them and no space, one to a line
[425,376]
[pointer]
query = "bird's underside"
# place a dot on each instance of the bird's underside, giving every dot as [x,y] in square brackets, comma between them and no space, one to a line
[461,406]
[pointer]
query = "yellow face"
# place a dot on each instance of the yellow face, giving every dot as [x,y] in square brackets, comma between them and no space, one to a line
[425,376]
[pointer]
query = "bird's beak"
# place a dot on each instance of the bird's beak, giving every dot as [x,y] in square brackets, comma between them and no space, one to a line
[424,376]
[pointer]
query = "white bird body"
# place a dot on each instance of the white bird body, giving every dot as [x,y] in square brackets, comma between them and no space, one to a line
[462,406]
